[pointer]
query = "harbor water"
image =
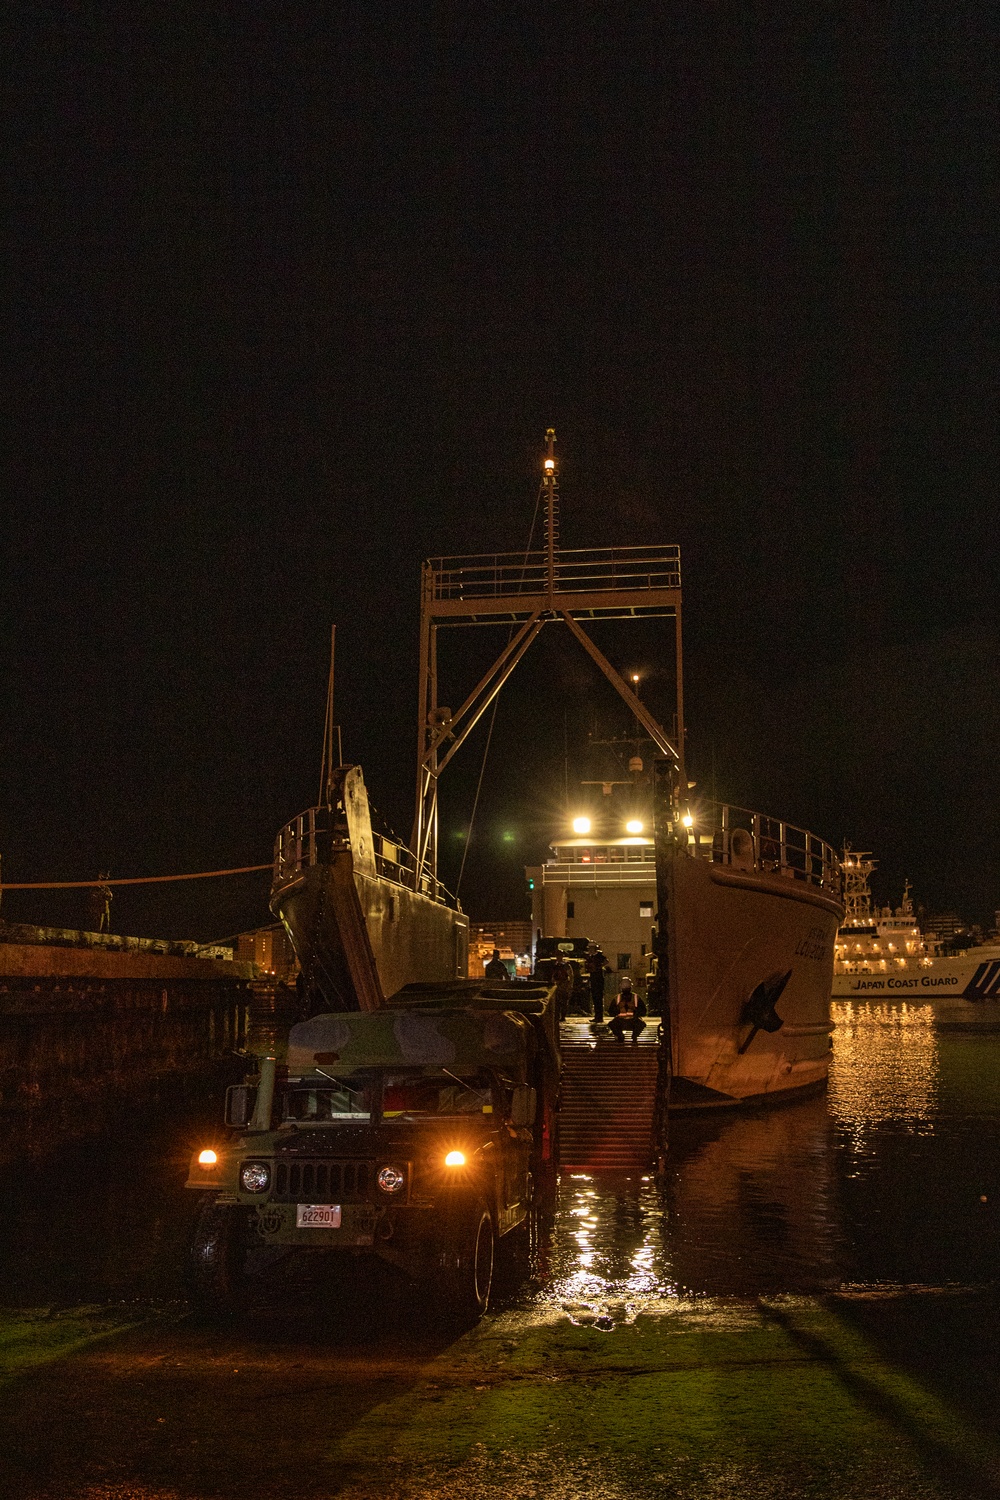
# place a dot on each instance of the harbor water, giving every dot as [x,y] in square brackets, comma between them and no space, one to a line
[889,1180]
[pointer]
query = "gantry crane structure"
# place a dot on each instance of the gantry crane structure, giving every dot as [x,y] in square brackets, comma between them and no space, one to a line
[525,592]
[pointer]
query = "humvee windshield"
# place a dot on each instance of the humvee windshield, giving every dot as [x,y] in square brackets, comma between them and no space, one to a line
[407,1095]
[331,1098]
[400,1094]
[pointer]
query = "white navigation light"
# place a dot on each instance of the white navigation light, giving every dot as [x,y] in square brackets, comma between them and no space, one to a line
[207,1158]
[550,465]
[455,1159]
[581,825]
[633,826]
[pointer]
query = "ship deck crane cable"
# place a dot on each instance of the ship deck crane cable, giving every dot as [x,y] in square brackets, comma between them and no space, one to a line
[496,704]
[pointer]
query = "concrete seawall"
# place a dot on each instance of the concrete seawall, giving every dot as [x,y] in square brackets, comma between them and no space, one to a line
[85,1034]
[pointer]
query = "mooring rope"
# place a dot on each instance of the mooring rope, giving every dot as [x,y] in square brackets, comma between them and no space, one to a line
[69,885]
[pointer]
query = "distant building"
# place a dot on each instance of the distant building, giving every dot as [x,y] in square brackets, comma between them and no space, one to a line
[270,948]
[945,926]
[514,940]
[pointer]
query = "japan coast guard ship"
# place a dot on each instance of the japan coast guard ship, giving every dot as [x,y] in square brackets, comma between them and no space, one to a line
[882,954]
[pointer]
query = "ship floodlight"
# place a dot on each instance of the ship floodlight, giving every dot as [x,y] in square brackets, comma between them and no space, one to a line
[687,820]
[455,1159]
[581,825]
[633,826]
[207,1158]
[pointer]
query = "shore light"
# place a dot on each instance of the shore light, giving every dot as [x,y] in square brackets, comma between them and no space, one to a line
[581,825]
[633,826]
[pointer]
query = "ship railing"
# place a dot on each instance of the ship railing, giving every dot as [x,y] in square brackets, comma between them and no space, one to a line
[724,834]
[599,872]
[580,570]
[745,839]
[312,837]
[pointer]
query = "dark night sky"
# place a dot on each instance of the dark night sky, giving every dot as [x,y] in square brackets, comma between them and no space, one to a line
[297,290]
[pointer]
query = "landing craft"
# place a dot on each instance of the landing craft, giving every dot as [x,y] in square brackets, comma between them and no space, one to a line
[742,912]
[740,905]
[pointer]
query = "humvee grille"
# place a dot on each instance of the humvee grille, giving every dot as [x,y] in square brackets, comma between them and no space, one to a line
[321,1181]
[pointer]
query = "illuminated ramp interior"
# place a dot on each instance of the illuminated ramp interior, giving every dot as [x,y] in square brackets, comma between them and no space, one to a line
[607,1109]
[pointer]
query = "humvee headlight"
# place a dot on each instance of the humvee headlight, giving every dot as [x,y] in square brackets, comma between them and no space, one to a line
[207,1158]
[455,1159]
[255,1177]
[390,1179]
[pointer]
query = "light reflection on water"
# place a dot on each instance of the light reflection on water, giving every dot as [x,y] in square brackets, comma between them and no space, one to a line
[608,1260]
[885,1066]
[891,1178]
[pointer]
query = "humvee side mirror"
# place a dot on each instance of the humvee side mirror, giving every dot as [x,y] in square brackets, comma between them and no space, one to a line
[522,1106]
[240,1101]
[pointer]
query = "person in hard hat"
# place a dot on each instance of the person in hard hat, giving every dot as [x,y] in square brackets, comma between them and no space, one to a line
[496,968]
[626,1009]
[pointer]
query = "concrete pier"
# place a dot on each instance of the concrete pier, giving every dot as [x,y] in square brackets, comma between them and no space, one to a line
[86,1031]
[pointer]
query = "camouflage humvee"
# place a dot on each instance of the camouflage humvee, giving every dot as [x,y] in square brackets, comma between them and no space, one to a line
[415,1133]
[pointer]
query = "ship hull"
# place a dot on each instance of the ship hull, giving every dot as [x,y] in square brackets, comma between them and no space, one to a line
[412,937]
[737,939]
[967,976]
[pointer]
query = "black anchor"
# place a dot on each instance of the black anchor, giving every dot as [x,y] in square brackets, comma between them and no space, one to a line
[759,1012]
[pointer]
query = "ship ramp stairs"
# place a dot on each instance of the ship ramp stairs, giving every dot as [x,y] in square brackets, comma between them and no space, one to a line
[607,1113]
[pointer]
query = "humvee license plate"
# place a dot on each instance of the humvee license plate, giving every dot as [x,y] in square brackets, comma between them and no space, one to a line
[317,1216]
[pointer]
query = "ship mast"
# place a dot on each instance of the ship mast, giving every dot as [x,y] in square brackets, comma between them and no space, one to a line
[857,892]
[550,482]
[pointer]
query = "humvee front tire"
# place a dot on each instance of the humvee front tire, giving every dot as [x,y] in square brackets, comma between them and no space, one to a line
[467,1265]
[217,1258]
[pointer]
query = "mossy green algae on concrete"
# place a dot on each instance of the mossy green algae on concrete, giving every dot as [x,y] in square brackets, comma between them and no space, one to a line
[35,1336]
[786,1385]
